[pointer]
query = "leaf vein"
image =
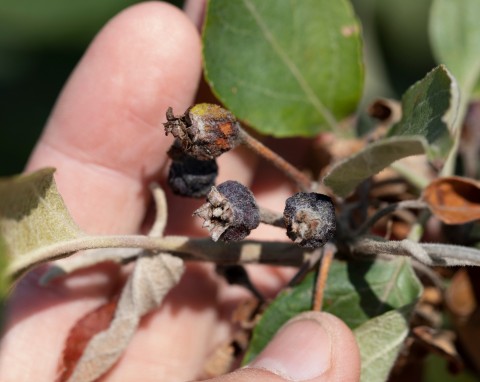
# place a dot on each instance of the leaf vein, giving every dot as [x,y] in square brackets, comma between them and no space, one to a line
[309,93]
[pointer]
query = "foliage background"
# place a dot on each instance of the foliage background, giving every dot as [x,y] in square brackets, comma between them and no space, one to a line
[41,42]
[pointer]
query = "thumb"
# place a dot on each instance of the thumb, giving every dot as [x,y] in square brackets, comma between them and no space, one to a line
[313,346]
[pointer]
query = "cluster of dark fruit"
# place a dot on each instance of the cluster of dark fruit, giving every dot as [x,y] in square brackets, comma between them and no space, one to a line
[206,131]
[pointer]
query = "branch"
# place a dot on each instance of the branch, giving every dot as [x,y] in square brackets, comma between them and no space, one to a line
[243,252]
[427,253]
[413,204]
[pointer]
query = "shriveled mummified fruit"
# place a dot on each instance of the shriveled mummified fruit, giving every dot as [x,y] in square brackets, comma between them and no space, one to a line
[189,176]
[310,219]
[230,213]
[205,131]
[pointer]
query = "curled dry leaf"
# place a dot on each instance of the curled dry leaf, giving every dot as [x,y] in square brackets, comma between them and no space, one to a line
[454,200]
[152,278]
[385,110]
[440,342]
[460,297]
[89,325]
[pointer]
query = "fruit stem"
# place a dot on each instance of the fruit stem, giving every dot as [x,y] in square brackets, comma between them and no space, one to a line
[271,218]
[324,267]
[302,181]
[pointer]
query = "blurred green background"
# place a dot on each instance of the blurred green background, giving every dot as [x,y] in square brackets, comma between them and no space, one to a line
[41,41]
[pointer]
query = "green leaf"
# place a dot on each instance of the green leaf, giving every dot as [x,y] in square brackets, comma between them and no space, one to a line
[32,215]
[429,109]
[455,39]
[286,68]
[346,175]
[380,340]
[356,291]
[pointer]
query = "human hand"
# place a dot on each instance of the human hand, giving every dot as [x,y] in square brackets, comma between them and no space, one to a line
[105,139]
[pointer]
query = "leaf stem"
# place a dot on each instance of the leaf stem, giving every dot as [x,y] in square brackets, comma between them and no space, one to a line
[414,204]
[303,182]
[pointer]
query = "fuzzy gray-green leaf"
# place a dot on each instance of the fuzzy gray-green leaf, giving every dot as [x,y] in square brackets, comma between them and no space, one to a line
[429,109]
[345,176]
[380,340]
[32,215]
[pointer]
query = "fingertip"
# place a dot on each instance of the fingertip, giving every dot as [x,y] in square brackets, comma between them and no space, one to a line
[105,136]
[145,59]
[313,346]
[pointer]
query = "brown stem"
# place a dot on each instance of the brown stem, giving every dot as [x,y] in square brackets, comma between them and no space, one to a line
[413,204]
[243,252]
[324,267]
[299,178]
[307,265]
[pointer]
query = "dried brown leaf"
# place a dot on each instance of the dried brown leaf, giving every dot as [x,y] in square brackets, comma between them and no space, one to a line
[92,323]
[440,342]
[152,278]
[459,296]
[465,314]
[454,200]
[385,110]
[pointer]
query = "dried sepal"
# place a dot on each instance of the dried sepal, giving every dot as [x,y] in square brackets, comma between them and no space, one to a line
[230,212]
[310,219]
[205,130]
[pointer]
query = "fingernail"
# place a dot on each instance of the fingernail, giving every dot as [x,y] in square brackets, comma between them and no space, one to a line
[301,350]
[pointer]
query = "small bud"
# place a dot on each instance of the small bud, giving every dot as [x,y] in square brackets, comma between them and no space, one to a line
[230,213]
[204,130]
[310,219]
[189,176]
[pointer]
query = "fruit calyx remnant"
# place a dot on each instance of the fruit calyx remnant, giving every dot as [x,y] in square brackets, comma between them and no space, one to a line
[310,219]
[230,213]
[205,130]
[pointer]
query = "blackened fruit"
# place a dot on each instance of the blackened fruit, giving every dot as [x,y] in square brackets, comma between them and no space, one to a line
[204,130]
[192,177]
[189,176]
[310,219]
[230,213]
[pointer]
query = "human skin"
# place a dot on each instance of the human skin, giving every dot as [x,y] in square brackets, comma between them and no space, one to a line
[106,141]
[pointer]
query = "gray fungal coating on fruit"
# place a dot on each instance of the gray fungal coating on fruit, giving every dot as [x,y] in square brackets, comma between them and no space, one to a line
[230,213]
[310,219]
[205,131]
